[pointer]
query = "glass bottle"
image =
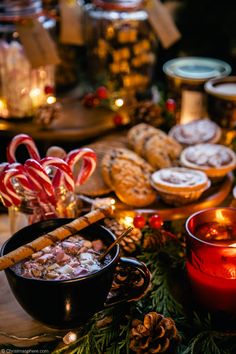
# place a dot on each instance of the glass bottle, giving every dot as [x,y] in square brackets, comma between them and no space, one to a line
[121,45]
[22,88]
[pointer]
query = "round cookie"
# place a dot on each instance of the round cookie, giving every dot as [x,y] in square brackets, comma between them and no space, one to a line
[145,137]
[136,132]
[129,177]
[169,146]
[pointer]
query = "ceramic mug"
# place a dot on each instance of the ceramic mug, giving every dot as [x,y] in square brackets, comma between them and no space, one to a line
[67,303]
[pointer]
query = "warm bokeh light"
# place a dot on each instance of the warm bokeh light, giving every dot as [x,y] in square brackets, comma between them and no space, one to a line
[119,102]
[127,221]
[51,99]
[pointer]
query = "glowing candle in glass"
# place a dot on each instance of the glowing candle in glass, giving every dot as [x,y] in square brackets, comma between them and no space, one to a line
[211,258]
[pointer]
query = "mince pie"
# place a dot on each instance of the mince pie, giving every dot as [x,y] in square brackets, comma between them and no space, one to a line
[215,160]
[178,185]
[196,132]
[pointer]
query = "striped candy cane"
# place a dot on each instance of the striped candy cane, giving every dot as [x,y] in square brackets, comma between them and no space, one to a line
[89,162]
[22,139]
[40,181]
[63,169]
[8,188]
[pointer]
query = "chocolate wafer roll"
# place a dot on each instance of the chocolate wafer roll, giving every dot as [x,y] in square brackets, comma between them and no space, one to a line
[54,236]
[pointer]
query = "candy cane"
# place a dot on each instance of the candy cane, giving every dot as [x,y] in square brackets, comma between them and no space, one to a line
[40,180]
[8,188]
[4,166]
[89,163]
[63,169]
[22,139]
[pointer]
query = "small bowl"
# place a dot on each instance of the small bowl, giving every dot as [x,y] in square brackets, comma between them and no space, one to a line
[178,185]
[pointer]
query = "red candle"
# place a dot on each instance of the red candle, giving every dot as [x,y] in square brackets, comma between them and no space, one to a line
[211,258]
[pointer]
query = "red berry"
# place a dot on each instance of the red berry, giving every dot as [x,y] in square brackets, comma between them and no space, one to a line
[139,221]
[170,105]
[102,93]
[48,90]
[90,100]
[155,221]
[118,119]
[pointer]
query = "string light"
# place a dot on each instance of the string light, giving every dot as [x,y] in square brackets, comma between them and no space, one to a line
[51,99]
[70,337]
[119,102]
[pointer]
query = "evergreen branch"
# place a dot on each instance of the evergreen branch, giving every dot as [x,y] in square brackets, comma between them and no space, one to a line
[162,298]
[112,338]
[211,342]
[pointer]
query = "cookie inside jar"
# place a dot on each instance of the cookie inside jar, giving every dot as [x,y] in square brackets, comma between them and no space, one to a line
[74,257]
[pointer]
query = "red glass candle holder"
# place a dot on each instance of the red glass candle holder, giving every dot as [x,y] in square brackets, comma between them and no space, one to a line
[211,258]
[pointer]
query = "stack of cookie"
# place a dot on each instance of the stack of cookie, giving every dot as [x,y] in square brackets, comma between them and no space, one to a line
[128,175]
[159,149]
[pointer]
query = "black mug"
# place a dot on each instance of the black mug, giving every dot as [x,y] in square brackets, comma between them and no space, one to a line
[67,303]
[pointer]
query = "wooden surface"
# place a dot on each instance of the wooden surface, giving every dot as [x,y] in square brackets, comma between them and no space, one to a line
[76,123]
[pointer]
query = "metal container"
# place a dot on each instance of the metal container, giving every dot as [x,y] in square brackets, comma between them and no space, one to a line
[221,101]
[186,78]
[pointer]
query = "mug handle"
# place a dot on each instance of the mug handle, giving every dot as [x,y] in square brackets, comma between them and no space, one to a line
[131,282]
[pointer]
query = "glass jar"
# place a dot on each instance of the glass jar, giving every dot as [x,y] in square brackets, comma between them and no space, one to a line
[67,73]
[121,45]
[32,209]
[22,88]
[186,78]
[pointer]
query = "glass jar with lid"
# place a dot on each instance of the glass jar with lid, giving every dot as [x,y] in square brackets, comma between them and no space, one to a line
[186,77]
[22,88]
[121,45]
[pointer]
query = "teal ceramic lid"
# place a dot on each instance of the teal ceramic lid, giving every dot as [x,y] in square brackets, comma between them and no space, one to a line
[196,68]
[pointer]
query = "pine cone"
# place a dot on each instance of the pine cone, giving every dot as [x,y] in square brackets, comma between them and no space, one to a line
[147,112]
[47,113]
[129,243]
[157,334]
[155,239]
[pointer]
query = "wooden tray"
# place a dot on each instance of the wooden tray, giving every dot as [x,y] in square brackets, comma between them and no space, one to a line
[211,198]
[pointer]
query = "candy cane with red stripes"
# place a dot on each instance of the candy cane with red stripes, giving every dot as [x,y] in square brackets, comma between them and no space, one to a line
[22,139]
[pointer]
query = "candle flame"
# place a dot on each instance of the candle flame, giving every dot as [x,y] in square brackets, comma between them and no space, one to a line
[232,245]
[220,217]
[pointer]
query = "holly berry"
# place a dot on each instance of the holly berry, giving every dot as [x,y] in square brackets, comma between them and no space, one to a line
[155,221]
[170,105]
[118,119]
[48,90]
[90,100]
[139,221]
[102,93]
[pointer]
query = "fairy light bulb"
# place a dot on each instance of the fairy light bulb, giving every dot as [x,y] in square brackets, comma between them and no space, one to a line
[69,338]
[51,99]
[119,102]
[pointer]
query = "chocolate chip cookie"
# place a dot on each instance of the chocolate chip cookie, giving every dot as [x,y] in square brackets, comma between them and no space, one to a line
[129,176]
